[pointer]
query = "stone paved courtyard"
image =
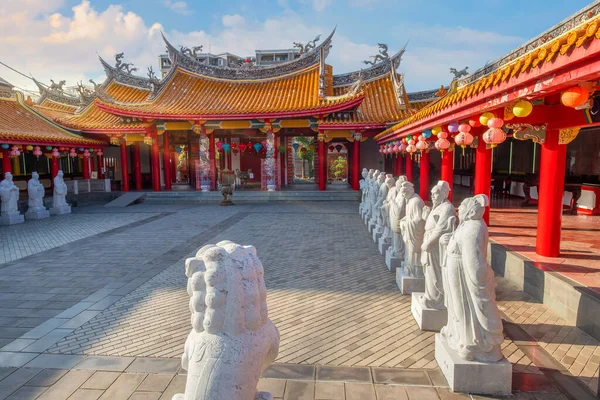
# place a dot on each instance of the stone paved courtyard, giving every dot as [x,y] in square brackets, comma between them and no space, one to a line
[94,306]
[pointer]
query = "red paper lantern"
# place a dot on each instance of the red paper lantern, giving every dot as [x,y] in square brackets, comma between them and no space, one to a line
[242,147]
[474,122]
[575,96]
[495,123]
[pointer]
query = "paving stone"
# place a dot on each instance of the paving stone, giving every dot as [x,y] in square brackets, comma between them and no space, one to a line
[330,391]
[4,372]
[299,390]
[13,359]
[66,386]
[360,391]
[274,386]
[103,363]
[437,378]
[390,392]
[48,340]
[47,377]
[57,361]
[14,381]
[447,394]
[123,387]
[17,345]
[346,374]
[154,365]
[282,371]
[421,393]
[101,380]
[145,396]
[27,393]
[401,377]
[86,394]
[177,385]
[156,382]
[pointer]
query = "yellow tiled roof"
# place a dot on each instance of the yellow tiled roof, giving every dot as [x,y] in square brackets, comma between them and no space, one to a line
[546,53]
[187,94]
[19,124]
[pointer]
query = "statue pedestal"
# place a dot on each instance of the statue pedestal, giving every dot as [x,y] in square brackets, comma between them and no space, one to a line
[384,244]
[392,263]
[11,219]
[408,284]
[371,225]
[491,378]
[37,214]
[60,210]
[428,319]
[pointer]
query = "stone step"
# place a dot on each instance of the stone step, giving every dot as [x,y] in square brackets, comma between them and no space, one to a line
[303,195]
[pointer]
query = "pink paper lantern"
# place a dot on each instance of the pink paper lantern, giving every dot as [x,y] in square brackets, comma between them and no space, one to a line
[421,145]
[219,145]
[495,123]
[443,135]
[463,139]
[494,136]
[464,128]
[99,153]
[86,153]
[442,144]
[395,149]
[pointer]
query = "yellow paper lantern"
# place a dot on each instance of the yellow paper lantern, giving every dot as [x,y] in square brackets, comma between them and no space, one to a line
[29,148]
[508,113]
[485,117]
[522,109]
[436,129]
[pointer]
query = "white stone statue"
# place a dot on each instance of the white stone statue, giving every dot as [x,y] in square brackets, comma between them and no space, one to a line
[386,238]
[9,193]
[59,202]
[384,188]
[374,193]
[412,227]
[363,189]
[366,211]
[36,193]
[440,220]
[232,340]
[474,328]
[397,212]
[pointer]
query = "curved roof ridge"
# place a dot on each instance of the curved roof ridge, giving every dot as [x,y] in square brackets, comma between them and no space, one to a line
[373,72]
[253,73]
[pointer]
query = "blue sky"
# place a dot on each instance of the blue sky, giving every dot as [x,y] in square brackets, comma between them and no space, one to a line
[59,39]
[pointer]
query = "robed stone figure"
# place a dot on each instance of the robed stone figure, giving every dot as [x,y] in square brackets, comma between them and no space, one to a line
[60,192]
[413,230]
[440,220]
[9,194]
[36,192]
[474,328]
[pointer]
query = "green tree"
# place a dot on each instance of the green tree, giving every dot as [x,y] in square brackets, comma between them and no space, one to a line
[338,168]
[306,156]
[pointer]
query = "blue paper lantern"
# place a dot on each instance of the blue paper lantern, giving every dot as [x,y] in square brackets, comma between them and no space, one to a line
[178,150]
[257,147]
[5,146]
[427,133]
[226,147]
[295,146]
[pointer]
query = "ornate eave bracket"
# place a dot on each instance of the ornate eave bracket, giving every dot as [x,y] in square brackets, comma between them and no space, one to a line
[537,133]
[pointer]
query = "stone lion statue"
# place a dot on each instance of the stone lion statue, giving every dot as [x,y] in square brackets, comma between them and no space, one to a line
[232,340]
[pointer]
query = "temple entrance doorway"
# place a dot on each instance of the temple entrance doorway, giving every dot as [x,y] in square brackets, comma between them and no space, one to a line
[337,165]
[303,160]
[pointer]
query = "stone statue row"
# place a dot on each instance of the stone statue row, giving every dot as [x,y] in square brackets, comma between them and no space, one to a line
[9,195]
[440,259]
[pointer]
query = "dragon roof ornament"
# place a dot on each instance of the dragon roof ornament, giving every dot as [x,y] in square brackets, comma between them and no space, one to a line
[381,66]
[310,58]
[55,93]
[123,75]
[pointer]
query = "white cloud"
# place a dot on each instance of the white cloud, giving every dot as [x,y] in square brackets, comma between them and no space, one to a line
[320,5]
[180,7]
[53,45]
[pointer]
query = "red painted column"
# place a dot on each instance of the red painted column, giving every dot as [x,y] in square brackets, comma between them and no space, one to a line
[322,164]
[282,158]
[483,174]
[399,161]
[424,176]
[137,166]
[409,168]
[155,161]
[356,165]
[54,168]
[552,184]
[124,167]
[6,162]
[166,160]
[447,170]
[100,166]
[213,160]
[86,167]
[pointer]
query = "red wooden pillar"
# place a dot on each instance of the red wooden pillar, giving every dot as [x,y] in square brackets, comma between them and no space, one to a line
[322,162]
[155,162]
[424,176]
[54,168]
[550,192]
[356,164]
[100,160]
[282,159]
[398,162]
[409,169]
[86,167]
[124,167]
[6,162]
[447,170]
[166,160]
[137,166]
[213,160]
[483,173]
